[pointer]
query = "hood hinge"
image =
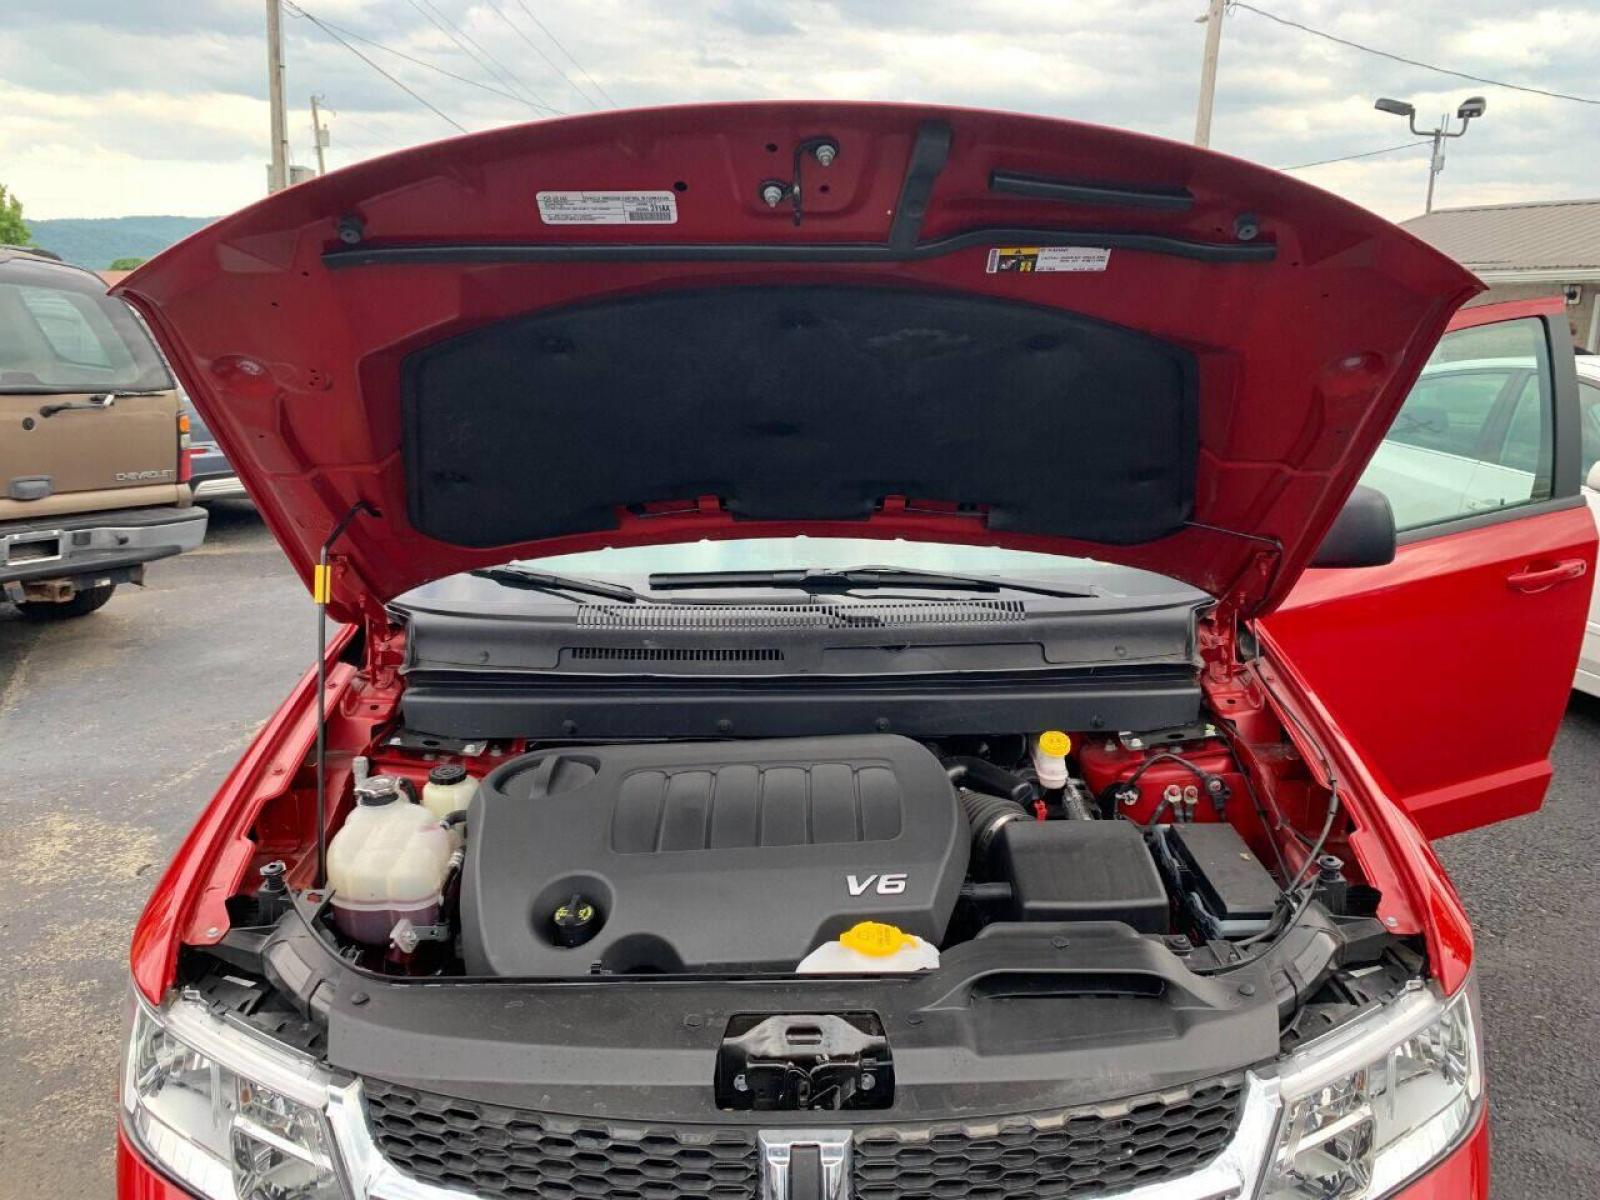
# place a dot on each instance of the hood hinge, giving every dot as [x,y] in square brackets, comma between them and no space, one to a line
[385,651]
[1217,638]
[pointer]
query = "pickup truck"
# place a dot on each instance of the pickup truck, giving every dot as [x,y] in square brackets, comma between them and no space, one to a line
[94,453]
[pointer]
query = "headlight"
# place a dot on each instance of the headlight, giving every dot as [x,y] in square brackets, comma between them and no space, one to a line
[230,1116]
[1376,1104]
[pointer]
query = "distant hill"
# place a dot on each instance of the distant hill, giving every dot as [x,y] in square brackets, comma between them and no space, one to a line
[94,242]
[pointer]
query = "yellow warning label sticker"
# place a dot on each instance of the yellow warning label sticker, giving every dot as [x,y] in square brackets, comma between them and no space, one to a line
[1039,260]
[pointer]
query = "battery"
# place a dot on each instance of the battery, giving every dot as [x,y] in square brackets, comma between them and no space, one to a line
[1227,887]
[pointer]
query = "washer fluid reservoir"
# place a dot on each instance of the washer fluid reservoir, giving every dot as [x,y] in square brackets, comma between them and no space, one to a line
[449,790]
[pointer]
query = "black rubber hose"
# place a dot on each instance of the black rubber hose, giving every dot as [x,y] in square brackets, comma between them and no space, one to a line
[988,815]
[981,775]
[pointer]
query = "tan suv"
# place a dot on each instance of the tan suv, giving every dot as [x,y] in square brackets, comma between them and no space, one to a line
[93,443]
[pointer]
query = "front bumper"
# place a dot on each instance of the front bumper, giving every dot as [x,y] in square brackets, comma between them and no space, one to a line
[89,545]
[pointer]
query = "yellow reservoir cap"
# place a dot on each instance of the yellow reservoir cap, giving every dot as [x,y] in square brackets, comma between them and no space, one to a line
[876,940]
[1053,741]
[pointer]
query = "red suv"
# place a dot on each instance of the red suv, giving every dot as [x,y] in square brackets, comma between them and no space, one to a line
[881,654]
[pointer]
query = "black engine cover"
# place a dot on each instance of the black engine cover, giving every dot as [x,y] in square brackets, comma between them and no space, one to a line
[706,856]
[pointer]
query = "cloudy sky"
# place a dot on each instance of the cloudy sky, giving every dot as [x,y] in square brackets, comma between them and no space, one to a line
[115,107]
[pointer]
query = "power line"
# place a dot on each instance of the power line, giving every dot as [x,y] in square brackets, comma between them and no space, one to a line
[422,62]
[549,62]
[300,12]
[1322,162]
[493,64]
[1410,62]
[449,32]
[585,71]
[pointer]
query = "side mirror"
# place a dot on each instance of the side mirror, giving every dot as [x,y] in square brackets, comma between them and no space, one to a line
[1593,481]
[1362,535]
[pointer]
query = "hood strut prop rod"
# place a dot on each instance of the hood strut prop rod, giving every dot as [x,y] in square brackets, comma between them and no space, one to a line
[321,591]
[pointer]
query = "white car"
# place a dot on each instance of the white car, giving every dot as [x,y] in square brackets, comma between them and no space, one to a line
[1588,679]
[1466,441]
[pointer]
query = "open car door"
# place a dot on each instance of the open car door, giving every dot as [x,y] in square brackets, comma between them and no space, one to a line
[1450,667]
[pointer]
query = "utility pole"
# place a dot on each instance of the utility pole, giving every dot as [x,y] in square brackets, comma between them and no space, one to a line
[1208,72]
[278,172]
[319,135]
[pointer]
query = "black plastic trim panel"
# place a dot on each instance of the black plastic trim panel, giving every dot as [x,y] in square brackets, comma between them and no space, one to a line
[1037,1016]
[566,707]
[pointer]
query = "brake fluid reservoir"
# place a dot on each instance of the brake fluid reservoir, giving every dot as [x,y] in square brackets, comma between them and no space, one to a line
[449,789]
[871,948]
[1050,750]
[387,863]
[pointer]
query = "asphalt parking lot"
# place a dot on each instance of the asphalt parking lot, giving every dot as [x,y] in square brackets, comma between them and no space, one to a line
[115,730]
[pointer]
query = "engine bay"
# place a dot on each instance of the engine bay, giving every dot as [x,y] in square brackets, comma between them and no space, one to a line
[820,921]
[789,856]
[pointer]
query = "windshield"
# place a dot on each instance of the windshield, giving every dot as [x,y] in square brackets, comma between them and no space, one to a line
[60,333]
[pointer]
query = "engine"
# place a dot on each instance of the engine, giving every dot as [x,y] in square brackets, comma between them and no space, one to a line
[706,856]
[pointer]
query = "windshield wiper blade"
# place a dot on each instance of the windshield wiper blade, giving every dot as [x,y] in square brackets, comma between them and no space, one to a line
[816,580]
[543,581]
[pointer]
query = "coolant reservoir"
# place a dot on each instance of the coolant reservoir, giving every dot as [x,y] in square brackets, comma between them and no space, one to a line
[871,948]
[387,863]
[449,789]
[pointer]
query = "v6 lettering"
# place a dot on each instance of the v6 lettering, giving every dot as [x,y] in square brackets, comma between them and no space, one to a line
[893,884]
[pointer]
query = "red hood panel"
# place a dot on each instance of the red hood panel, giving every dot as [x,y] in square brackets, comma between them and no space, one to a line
[1306,318]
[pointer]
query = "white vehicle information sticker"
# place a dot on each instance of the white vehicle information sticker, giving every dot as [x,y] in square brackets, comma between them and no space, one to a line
[608,208]
[1026,260]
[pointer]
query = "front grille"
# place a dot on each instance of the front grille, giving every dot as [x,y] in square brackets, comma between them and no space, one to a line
[493,1151]
[1078,1153]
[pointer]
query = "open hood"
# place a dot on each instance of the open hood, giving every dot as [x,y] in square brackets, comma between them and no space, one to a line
[765,319]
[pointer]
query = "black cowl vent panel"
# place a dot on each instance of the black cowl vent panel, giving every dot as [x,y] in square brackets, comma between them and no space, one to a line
[710,856]
[800,403]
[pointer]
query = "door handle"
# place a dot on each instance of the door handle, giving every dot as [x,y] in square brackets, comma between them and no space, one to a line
[1537,579]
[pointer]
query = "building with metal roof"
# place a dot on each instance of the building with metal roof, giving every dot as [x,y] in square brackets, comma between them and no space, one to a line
[1538,248]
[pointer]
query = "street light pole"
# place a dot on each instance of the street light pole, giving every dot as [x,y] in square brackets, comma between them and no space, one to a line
[1471,108]
[278,172]
[1436,160]
[1208,72]
[319,135]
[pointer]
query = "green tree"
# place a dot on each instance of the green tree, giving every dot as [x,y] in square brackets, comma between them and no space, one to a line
[126,264]
[13,229]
